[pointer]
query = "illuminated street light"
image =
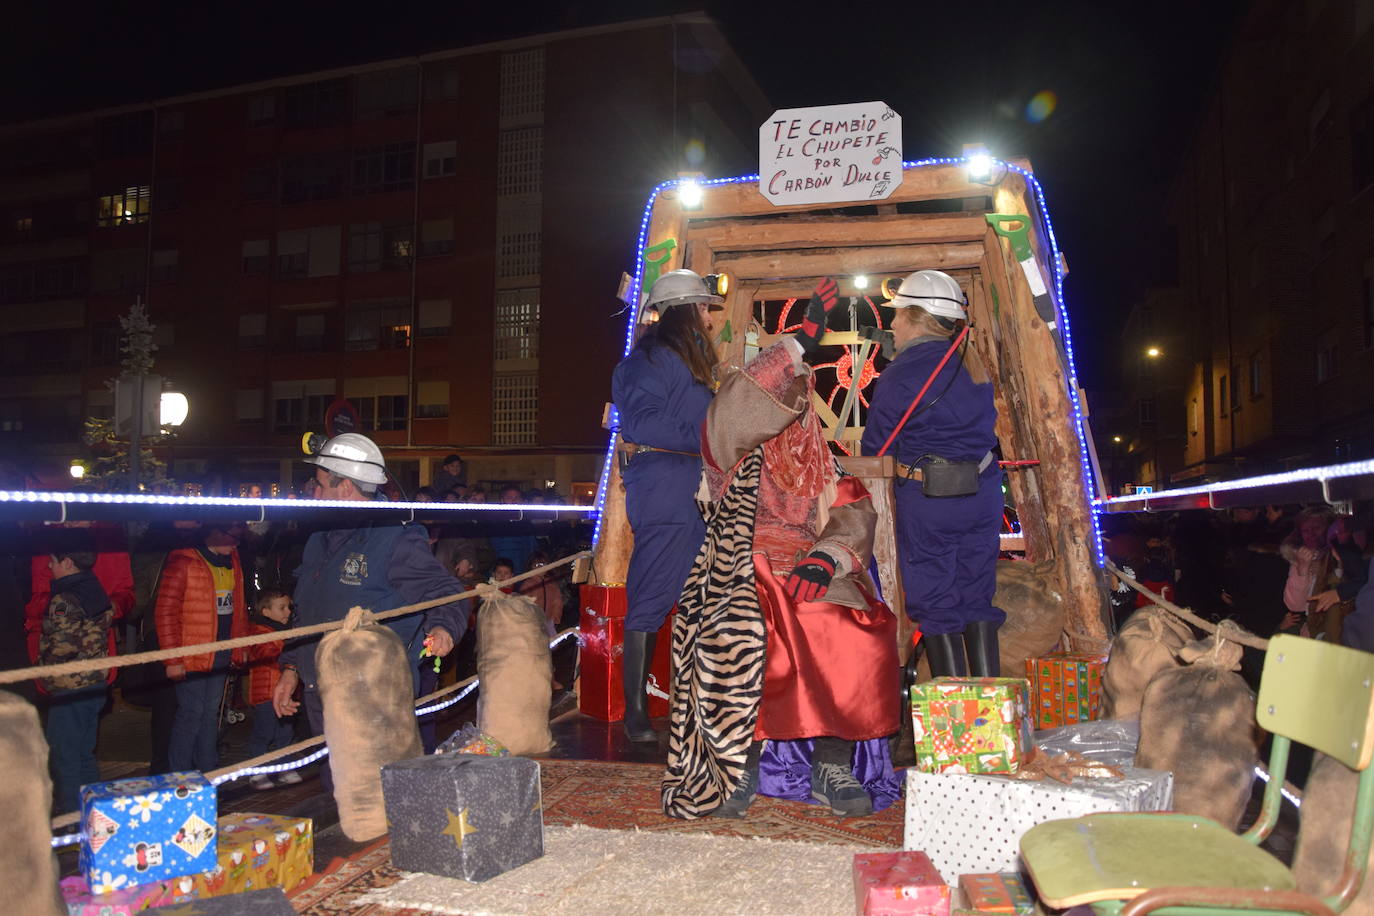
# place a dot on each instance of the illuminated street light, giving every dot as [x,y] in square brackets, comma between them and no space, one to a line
[1116,439]
[77,470]
[1154,352]
[174,408]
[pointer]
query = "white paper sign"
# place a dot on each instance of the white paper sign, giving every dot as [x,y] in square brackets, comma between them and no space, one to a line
[830,154]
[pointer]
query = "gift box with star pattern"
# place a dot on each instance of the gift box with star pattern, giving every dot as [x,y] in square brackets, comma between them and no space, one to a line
[971,725]
[147,829]
[463,815]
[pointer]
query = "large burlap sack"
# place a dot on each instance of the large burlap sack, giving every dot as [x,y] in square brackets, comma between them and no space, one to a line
[1035,613]
[369,717]
[1147,644]
[1328,803]
[516,671]
[28,868]
[1199,722]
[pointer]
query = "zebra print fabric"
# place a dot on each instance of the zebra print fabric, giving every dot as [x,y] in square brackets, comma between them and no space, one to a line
[719,640]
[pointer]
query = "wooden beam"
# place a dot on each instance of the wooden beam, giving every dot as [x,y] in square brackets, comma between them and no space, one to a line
[806,230]
[847,261]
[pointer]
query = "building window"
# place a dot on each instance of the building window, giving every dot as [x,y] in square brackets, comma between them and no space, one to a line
[435,317]
[515,408]
[1326,360]
[383,403]
[315,104]
[164,266]
[441,80]
[119,270]
[522,87]
[310,333]
[1146,409]
[441,159]
[431,399]
[520,161]
[38,280]
[1362,143]
[310,252]
[257,257]
[386,92]
[318,176]
[262,109]
[299,405]
[260,183]
[105,336]
[125,135]
[384,168]
[248,405]
[378,325]
[372,247]
[1256,377]
[1223,394]
[168,196]
[517,324]
[436,237]
[253,331]
[519,247]
[124,208]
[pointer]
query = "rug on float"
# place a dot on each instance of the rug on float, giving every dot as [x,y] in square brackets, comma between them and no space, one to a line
[613,796]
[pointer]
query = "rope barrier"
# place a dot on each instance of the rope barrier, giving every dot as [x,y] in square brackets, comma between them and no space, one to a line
[15,675]
[1206,626]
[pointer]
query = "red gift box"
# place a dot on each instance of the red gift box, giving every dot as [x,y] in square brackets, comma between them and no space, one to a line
[898,884]
[601,658]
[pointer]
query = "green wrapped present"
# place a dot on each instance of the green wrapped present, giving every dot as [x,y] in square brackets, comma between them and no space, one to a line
[971,725]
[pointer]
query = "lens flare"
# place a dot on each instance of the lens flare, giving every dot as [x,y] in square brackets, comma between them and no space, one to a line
[694,154]
[1041,106]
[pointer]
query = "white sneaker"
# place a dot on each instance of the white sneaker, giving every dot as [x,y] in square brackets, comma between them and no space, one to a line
[289,778]
[262,782]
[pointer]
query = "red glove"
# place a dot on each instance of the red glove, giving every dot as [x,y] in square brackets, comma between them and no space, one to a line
[810,579]
[818,310]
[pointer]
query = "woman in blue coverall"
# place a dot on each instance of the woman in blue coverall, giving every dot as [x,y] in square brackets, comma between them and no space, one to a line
[662,390]
[947,545]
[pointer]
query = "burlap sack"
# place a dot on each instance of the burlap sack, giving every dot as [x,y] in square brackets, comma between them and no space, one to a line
[1146,645]
[1328,803]
[369,717]
[28,868]
[1199,722]
[516,671]
[1035,613]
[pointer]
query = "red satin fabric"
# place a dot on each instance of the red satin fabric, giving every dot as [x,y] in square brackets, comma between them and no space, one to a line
[831,670]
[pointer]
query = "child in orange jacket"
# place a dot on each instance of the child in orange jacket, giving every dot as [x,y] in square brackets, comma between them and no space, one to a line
[271,612]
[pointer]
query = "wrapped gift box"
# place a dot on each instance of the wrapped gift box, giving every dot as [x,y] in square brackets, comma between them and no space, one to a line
[971,725]
[897,883]
[147,829]
[973,824]
[115,899]
[463,815]
[997,892]
[267,902]
[601,658]
[255,851]
[1065,688]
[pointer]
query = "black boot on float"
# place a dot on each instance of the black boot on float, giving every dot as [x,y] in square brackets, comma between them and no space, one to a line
[832,778]
[984,657]
[639,653]
[737,805]
[946,654]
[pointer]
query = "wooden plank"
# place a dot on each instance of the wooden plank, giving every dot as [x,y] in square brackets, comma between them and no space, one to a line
[806,230]
[839,262]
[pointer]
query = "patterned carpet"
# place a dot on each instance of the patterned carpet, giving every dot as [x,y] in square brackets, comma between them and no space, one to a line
[607,795]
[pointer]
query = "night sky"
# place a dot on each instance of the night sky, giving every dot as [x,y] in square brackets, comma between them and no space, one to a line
[1131,80]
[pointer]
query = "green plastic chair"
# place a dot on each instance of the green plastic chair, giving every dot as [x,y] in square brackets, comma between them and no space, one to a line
[1312,692]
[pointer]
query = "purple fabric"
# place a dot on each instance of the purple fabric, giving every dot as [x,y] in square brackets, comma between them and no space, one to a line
[785,771]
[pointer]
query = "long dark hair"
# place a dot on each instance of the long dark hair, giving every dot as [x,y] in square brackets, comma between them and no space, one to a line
[680,329]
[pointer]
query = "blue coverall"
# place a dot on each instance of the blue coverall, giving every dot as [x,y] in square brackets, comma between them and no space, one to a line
[948,545]
[663,406]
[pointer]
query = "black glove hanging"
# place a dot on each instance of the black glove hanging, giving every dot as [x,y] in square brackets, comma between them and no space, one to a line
[818,310]
[810,579]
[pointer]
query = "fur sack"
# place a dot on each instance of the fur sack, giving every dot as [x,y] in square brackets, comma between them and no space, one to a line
[516,671]
[1146,645]
[369,717]
[1328,803]
[28,868]
[1199,722]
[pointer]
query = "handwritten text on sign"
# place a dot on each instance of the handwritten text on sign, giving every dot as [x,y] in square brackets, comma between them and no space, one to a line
[831,154]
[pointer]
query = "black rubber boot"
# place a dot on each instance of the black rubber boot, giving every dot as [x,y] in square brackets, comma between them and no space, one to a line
[946,654]
[639,653]
[832,778]
[737,805]
[984,657]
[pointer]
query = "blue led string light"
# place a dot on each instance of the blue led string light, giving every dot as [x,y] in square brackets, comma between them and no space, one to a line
[1056,262]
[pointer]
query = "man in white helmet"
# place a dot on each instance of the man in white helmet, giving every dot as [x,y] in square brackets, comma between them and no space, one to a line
[378,565]
[949,485]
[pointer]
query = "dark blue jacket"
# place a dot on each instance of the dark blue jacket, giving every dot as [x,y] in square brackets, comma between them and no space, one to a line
[378,567]
[959,426]
[659,401]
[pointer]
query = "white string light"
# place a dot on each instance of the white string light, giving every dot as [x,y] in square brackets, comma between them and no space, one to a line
[155,499]
[1330,472]
[1297,802]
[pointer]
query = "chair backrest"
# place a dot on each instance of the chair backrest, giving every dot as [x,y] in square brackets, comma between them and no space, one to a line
[1320,695]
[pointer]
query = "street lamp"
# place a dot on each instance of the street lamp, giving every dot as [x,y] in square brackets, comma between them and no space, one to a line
[173,408]
[77,470]
[1116,439]
[1154,352]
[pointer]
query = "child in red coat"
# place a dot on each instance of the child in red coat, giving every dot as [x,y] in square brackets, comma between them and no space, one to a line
[271,612]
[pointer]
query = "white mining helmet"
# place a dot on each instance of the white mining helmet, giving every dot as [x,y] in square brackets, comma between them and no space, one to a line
[679,287]
[348,455]
[936,292]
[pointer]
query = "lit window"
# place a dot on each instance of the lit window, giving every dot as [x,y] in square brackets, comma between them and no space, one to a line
[124,208]
[372,247]
[378,325]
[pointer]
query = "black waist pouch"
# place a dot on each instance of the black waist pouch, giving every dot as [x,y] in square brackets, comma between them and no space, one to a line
[949,478]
